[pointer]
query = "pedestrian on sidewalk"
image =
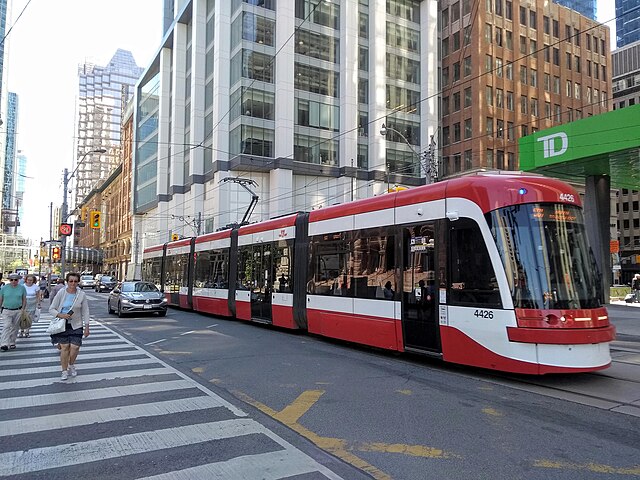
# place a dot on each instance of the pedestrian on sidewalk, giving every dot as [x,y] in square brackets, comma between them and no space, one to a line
[71,304]
[13,298]
[34,297]
[635,286]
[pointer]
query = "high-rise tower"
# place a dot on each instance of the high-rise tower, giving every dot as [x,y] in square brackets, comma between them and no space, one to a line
[103,92]
[627,22]
[584,7]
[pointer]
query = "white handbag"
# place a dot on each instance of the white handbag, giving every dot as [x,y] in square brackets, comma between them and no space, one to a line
[36,316]
[57,325]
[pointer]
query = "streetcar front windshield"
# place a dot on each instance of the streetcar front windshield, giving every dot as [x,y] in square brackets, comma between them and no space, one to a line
[546,256]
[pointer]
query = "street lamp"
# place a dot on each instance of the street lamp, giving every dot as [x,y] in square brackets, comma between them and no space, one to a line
[64,215]
[431,167]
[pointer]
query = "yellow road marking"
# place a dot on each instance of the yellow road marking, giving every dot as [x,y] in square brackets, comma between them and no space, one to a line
[197,370]
[591,467]
[292,413]
[339,447]
[404,392]
[215,381]
[413,450]
[491,411]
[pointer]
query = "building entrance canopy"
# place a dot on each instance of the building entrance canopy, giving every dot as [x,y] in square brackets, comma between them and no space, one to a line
[606,144]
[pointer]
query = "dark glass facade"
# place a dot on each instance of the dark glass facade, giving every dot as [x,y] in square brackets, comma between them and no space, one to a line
[585,7]
[627,22]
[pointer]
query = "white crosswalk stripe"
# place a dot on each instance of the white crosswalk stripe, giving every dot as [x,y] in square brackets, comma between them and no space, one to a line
[129,405]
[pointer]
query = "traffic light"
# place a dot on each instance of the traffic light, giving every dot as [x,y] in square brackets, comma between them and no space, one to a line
[174,237]
[94,219]
[83,214]
[55,253]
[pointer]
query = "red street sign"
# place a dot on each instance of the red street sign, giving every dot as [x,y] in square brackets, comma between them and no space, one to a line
[65,229]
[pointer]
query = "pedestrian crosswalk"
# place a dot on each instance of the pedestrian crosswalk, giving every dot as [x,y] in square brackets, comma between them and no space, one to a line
[128,414]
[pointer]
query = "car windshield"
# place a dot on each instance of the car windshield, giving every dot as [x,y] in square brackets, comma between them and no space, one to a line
[546,256]
[139,287]
[105,278]
[86,277]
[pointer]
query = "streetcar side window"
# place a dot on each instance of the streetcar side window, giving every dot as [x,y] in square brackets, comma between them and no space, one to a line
[245,268]
[283,266]
[358,264]
[177,272]
[211,269]
[330,256]
[373,264]
[151,269]
[472,280]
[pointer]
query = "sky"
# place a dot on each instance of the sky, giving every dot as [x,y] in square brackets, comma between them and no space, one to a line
[46,44]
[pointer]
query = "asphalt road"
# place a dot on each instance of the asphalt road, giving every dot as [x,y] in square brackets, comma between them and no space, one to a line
[393,417]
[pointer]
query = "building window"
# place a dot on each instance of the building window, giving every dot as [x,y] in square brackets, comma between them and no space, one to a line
[524,102]
[316,150]
[489,126]
[468,129]
[249,140]
[499,98]
[510,101]
[467,97]
[317,115]
[316,80]
[489,95]
[456,132]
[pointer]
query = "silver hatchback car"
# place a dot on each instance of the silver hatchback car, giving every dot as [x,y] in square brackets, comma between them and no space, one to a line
[136,297]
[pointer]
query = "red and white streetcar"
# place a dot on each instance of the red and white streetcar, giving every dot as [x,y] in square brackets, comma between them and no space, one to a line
[487,270]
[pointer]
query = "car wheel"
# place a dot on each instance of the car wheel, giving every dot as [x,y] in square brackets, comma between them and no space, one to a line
[109,307]
[162,314]
[120,314]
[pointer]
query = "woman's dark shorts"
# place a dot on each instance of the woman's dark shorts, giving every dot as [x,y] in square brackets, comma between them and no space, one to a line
[70,336]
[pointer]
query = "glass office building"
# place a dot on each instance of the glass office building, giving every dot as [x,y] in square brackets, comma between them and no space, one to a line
[584,7]
[627,22]
[289,94]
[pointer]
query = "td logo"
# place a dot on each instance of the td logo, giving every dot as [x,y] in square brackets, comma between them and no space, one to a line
[549,142]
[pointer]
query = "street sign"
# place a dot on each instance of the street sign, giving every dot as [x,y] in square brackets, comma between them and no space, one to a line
[65,229]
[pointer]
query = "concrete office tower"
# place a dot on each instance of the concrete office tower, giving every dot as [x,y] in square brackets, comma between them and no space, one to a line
[291,95]
[627,22]
[103,93]
[510,68]
[626,75]
[584,7]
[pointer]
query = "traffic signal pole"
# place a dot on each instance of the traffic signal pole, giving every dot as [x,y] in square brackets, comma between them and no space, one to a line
[63,218]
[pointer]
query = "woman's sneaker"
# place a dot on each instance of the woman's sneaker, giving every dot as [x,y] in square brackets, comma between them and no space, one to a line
[64,375]
[72,370]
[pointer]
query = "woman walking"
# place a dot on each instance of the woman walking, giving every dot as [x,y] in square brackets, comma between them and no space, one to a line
[71,304]
[34,297]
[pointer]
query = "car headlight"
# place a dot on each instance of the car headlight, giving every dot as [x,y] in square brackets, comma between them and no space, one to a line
[164,300]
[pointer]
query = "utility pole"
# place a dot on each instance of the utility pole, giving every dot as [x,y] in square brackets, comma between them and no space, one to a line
[63,218]
[50,235]
[199,224]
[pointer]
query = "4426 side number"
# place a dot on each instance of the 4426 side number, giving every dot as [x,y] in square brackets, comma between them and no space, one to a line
[483,313]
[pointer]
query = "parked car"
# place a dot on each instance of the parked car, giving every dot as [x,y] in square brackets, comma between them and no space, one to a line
[105,283]
[87,281]
[136,296]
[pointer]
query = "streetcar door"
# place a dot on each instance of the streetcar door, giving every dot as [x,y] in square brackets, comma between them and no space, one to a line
[419,292]
[262,283]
